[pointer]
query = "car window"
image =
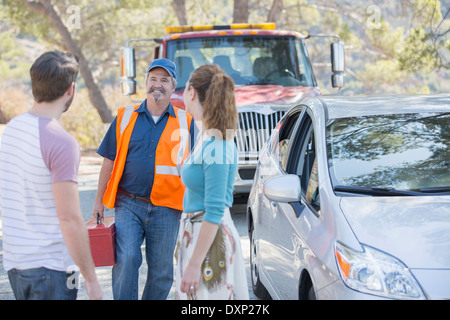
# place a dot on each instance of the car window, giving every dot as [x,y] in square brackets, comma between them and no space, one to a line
[280,143]
[306,160]
[312,189]
[303,161]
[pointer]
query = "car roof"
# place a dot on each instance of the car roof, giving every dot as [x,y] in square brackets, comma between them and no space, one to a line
[355,106]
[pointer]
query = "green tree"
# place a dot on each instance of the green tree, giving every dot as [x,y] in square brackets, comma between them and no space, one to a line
[393,46]
[390,46]
[427,41]
[12,64]
[49,17]
[92,30]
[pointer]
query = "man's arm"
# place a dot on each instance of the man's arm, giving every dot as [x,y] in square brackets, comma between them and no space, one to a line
[105,175]
[75,233]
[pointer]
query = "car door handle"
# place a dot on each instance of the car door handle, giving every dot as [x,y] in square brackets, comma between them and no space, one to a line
[274,209]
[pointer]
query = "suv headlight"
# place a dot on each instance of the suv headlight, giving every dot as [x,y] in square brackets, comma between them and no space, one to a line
[375,272]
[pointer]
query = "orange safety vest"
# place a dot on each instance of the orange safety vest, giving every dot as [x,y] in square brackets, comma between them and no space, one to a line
[171,151]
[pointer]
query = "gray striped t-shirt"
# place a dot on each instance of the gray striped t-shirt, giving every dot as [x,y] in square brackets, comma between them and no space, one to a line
[35,152]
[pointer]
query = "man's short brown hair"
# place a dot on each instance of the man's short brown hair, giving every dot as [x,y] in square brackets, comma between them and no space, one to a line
[51,75]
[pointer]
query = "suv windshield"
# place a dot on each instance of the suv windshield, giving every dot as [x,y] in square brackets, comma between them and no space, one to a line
[401,151]
[248,60]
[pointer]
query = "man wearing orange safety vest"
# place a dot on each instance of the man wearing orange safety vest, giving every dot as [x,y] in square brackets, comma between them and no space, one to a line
[143,151]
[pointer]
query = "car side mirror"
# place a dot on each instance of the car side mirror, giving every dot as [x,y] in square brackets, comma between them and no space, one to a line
[284,188]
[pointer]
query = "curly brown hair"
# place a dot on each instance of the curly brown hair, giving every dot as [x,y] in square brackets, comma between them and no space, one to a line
[215,91]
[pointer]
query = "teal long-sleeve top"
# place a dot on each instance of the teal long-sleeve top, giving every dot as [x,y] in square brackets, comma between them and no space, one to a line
[209,174]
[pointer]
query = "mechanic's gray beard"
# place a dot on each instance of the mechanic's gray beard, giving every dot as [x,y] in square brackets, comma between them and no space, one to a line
[162,91]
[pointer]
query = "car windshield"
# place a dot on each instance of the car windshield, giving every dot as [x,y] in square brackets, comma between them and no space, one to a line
[400,151]
[247,59]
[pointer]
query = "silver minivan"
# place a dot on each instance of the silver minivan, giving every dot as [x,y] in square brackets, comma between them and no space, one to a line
[351,200]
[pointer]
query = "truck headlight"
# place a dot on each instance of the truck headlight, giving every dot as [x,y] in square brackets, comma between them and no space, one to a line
[375,272]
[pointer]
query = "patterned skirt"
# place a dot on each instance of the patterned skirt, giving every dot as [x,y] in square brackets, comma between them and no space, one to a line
[223,270]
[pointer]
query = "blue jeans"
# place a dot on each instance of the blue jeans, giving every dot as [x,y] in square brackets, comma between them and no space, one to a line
[42,284]
[135,221]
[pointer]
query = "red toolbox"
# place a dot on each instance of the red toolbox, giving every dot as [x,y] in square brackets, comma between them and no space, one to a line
[102,240]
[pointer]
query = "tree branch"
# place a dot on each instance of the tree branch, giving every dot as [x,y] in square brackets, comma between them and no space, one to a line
[35,6]
[45,7]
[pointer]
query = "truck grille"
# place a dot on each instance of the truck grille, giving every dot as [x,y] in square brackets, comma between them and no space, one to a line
[253,131]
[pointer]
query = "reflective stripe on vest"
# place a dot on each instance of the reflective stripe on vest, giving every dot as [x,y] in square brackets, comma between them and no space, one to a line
[126,118]
[167,170]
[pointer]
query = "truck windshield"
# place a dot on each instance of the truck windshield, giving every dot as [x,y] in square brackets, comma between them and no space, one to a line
[249,60]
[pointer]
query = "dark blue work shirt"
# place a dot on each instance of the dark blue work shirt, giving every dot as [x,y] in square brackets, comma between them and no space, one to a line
[139,171]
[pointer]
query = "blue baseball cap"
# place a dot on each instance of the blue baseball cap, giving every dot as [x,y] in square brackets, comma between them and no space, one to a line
[166,64]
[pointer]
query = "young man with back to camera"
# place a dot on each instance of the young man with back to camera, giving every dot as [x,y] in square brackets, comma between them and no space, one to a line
[44,234]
